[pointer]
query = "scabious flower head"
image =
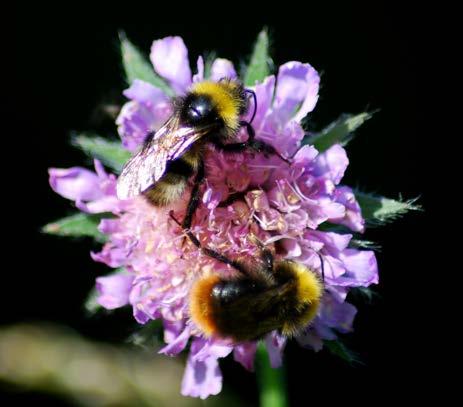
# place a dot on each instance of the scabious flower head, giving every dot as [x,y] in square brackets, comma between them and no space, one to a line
[279,203]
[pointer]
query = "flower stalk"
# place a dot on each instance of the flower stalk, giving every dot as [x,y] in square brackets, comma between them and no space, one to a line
[272,382]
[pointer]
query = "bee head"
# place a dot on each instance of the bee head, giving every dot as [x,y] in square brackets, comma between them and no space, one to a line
[198,109]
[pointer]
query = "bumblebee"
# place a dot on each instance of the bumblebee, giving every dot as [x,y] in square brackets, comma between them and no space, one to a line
[263,296]
[209,113]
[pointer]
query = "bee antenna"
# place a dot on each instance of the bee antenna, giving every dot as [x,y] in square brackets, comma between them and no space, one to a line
[255,103]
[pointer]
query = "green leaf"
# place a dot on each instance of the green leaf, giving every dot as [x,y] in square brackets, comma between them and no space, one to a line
[91,305]
[208,61]
[78,225]
[110,153]
[149,336]
[339,349]
[378,210]
[364,244]
[340,131]
[366,294]
[136,66]
[260,64]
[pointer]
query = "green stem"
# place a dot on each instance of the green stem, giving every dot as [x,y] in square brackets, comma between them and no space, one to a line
[272,382]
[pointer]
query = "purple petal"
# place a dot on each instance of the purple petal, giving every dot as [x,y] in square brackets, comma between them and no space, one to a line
[114,290]
[353,216]
[148,109]
[199,75]
[110,226]
[275,345]
[211,348]
[297,84]
[334,242]
[305,155]
[245,353]
[201,378]
[222,68]
[332,163]
[75,183]
[264,94]
[361,266]
[292,247]
[172,329]
[112,256]
[105,204]
[170,60]
[144,92]
[178,344]
[337,315]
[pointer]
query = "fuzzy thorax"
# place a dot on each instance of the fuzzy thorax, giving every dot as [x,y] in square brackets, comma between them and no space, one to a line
[228,97]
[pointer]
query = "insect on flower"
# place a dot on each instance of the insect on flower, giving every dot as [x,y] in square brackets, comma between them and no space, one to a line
[209,113]
[266,295]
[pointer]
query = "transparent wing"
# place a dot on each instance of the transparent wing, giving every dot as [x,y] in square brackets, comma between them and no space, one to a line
[146,167]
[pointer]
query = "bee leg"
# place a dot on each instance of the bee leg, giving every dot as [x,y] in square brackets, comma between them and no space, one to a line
[252,143]
[260,146]
[194,198]
[207,251]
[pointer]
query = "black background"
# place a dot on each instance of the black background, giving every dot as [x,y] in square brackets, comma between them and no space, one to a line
[67,62]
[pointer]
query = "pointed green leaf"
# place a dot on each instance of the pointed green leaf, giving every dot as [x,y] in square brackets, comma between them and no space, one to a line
[364,244]
[339,349]
[260,64]
[136,66]
[208,61]
[91,305]
[365,294]
[338,132]
[110,153]
[78,225]
[149,336]
[378,210]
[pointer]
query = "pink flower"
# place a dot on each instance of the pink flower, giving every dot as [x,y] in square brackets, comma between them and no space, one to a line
[279,203]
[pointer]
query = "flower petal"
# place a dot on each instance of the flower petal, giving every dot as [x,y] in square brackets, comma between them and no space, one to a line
[337,315]
[144,92]
[148,109]
[222,68]
[361,266]
[178,344]
[201,378]
[114,290]
[199,75]
[332,163]
[297,84]
[169,57]
[75,183]
[275,345]
[105,204]
[245,354]
[353,215]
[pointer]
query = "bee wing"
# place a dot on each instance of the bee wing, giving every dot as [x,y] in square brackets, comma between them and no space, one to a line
[146,167]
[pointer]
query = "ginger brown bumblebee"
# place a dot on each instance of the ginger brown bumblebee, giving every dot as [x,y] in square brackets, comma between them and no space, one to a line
[263,296]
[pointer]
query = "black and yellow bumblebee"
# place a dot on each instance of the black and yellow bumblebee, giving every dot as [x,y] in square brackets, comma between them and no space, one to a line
[264,295]
[209,113]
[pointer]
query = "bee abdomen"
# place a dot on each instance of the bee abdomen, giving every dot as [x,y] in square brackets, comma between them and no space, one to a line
[172,185]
